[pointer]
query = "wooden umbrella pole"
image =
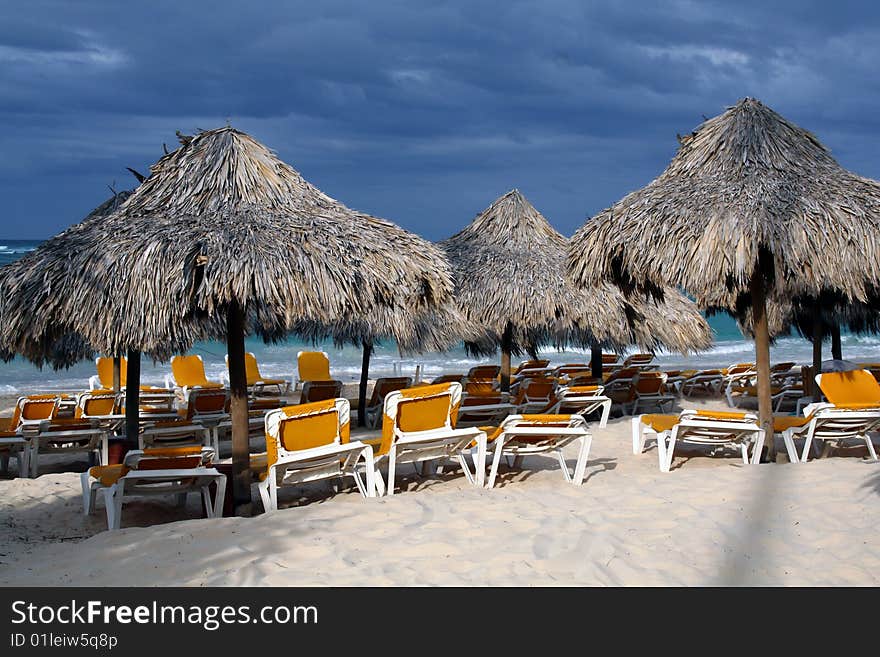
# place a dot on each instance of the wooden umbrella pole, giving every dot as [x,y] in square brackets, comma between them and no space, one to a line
[365,377]
[817,342]
[762,358]
[596,360]
[506,347]
[132,399]
[836,348]
[238,409]
[117,374]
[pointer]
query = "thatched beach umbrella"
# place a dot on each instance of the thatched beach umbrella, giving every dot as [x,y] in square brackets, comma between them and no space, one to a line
[222,238]
[509,269]
[750,206]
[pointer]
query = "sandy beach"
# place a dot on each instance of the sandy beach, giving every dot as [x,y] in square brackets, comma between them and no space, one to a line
[710,521]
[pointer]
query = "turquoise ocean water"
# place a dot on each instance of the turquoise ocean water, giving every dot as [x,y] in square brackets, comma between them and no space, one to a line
[279,360]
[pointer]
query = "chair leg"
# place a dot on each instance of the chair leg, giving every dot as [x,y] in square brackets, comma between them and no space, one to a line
[88,495]
[392,465]
[870,445]
[666,452]
[788,439]
[496,460]
[265,497]
[584,454]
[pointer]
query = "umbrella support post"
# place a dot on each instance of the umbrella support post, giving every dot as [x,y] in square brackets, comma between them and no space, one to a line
[596,361]
[762,359]
[836,349]
[506,346]
[238,409]
[117,374]
[362,389]
[132,399]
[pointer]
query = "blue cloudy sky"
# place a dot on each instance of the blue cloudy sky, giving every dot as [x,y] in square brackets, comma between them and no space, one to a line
[420,112]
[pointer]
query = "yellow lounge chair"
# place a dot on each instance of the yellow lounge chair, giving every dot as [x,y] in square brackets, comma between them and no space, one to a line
[639,360]
[525,435]
[311,366]
[169,471]
[579,400]
[188,372]
[104,378]
[308,442]
[852,412]
[256,382]
[534,395]
[419,426]
[708,428]
[383,385]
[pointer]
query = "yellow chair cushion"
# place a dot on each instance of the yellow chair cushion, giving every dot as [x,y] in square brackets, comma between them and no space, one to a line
[660,422]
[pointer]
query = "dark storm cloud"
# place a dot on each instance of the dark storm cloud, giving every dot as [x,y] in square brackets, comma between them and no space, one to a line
[422,112]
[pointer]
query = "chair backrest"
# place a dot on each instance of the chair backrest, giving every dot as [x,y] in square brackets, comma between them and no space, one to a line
[313,366]
[638,359]
[35,407]
[484,372]
[96,402]
[480,388]
[319,391]
[306,426]
[531,365]
[188,371]
[448,378]
[387,384]
[104,366]
[535,390]
[169,458]
[781,367]
[251,369]
[419,409]
[624,373]
[853,389]
[740,368]
[584,380]
[610,359]
[649,383]
[207,401]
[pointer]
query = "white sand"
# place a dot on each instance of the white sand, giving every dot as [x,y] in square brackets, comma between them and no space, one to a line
[711,521]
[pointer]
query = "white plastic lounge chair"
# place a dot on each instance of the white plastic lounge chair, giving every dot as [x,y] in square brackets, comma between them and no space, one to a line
[418,426]
[256,382]
[580,400]
[188,372]
[852,412]
[175,471]
[711,428]
[311,366]
[308,442]
[68,436]
[703,381]
[526,435]
[477,410]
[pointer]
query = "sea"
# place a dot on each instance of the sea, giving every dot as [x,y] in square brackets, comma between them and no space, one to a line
[279,360]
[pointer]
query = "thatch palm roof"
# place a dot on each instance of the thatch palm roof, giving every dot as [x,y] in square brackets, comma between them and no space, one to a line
[509,271]
[751,208]
[221,239]
[744,184]
[219,219]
